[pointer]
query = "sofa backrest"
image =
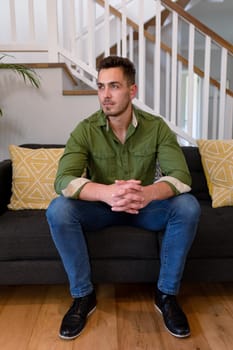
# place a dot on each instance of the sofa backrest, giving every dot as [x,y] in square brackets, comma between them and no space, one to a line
[41,145]
[192,155]
[199,184]
[193,158]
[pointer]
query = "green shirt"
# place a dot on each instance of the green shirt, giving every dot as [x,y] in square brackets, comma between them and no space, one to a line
[93,146]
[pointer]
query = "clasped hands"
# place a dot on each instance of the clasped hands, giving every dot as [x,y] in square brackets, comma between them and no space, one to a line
[128,196]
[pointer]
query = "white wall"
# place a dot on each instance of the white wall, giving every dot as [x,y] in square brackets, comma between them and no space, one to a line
[22,21]
[41,115]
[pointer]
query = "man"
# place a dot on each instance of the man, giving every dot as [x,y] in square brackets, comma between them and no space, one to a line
[109,144]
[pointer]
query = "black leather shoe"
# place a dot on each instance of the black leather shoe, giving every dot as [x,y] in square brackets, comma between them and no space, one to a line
[173,316]
[75,319]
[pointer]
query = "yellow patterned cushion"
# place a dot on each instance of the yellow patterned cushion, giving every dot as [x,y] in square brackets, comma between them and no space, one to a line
[217,161]
[34,171]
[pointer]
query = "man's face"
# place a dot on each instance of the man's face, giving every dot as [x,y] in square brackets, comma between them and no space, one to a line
[114,92]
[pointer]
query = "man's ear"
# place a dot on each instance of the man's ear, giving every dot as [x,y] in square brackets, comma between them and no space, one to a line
[133,91]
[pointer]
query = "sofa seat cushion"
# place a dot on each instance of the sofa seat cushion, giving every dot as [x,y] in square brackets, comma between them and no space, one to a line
[214,237]
[123,242]
[25,235]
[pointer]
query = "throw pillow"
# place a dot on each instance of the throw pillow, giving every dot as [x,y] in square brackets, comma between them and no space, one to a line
[217,161]
[34,172]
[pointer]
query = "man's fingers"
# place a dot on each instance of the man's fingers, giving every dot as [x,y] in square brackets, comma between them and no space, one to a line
[126,210]
[127,200]
[120,182]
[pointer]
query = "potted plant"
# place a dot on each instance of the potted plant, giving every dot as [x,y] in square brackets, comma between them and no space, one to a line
[27,73]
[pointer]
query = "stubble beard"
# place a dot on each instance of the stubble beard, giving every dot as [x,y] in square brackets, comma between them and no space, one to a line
[119,111]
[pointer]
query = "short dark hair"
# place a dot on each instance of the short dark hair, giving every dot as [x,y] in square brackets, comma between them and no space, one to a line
[127,66]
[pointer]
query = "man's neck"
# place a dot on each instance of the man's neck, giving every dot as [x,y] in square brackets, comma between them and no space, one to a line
[120,124]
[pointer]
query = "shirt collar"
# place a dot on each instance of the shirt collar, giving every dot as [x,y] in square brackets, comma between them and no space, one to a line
[134,122]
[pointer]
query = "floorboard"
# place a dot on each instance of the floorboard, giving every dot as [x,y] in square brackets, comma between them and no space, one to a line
[125,318]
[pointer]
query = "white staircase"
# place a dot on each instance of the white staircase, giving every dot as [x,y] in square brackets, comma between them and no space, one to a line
[185,71]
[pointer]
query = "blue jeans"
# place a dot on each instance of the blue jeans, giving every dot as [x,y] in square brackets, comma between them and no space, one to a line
[177,217]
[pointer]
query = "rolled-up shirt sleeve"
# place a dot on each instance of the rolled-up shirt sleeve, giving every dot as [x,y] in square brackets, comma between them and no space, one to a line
[70,177]
[73,189]
[177,185]
[173,166]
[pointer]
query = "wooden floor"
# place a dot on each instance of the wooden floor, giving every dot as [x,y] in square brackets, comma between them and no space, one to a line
[125,319]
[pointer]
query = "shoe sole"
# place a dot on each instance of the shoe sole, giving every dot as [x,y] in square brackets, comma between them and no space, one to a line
[75,336]
[174,334]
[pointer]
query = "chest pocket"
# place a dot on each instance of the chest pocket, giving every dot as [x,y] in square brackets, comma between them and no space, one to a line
[144,160]
[103,165]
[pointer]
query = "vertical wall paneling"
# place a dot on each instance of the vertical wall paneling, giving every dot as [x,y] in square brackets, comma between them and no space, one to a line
[157,51]
[206,88]
[215,113]
[191,80]
[72,25]
[131,44]
[222,100]
[80,25]
[167,86]
[52,23]
[229,119]
[118,39]
[174,67]
[106,29]
[91,33]
[13,21]
[31,20]
[124,29]
[180,118]
[141,59]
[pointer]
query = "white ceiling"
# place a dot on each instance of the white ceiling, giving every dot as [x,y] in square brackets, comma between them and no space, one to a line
[215,14]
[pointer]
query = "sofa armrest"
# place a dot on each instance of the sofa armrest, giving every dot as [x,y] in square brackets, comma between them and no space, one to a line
[5,183]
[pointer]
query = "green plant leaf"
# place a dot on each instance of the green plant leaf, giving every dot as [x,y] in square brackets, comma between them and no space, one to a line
[27,73]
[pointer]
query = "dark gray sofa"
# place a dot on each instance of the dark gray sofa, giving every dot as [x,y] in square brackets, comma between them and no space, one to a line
[118,254]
